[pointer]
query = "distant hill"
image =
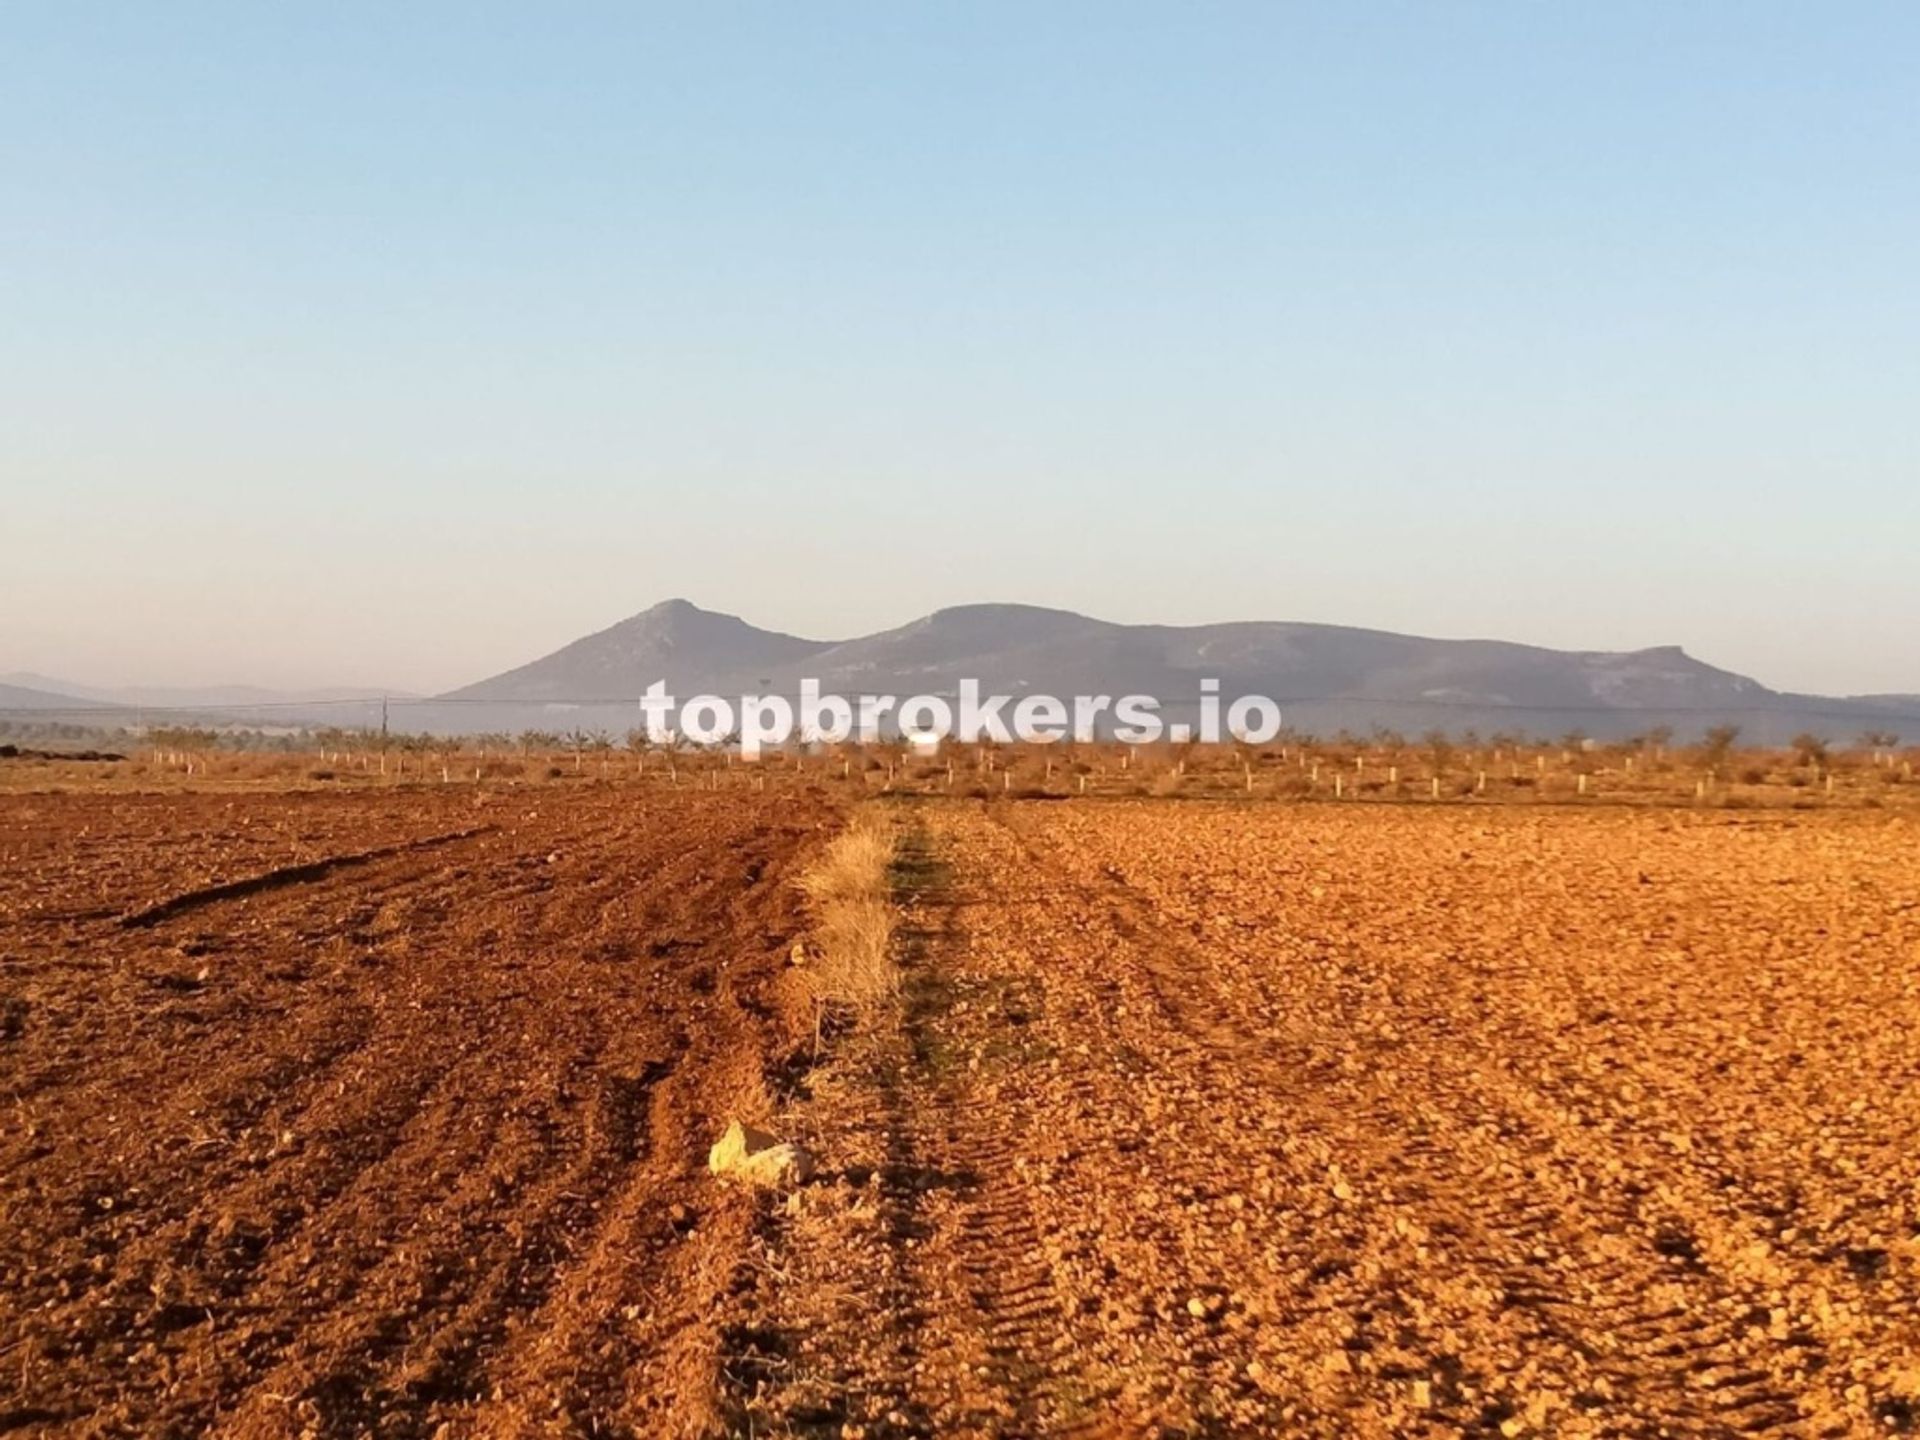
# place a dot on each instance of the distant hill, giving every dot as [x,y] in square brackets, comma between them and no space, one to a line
[1326,677]
[23,697]
[194,697]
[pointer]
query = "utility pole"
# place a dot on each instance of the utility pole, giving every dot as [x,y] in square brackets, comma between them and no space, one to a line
[383,721]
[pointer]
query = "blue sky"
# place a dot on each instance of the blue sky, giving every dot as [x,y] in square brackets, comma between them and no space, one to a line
[397,344]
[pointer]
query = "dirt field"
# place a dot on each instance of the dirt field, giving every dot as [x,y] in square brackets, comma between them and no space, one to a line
[385,1112]
[406,1135]
[1321,1121]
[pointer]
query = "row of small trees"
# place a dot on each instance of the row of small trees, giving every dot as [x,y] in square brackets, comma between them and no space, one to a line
[1714,749]
[1441,750]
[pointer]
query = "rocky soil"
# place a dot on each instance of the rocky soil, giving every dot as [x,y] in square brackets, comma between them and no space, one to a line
[390,1113]
[383,1114]
[1212,1120]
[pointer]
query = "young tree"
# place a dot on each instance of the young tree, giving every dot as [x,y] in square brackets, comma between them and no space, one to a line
[1655,739]
[1718,744]
[1809,749]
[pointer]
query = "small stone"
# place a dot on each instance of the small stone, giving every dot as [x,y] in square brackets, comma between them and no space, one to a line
[759,1158]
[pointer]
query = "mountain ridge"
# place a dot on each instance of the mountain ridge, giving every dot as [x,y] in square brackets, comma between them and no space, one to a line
[1327,676]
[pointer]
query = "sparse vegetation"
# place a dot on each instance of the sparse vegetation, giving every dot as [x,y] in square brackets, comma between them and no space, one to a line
[849,895]
[1717,745]
[1498,769]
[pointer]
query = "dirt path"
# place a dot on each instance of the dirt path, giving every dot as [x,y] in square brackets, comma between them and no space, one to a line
[405,1142]
[1210,1121]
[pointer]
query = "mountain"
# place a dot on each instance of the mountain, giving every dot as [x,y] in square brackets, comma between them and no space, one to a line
[674,641]
[194,697]
[1325,677]
[24,697]
[1021,648]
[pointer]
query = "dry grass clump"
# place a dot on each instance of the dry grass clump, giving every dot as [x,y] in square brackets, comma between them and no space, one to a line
[849,891]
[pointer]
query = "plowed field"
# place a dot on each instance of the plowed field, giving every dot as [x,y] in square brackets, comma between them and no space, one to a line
[1261,1121]
[338,1115]
[386,1113]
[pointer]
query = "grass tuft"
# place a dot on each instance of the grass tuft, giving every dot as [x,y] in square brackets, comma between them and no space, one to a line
[849,891]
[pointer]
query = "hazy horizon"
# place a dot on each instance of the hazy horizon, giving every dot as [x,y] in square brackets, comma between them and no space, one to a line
[374,348]
[70,683]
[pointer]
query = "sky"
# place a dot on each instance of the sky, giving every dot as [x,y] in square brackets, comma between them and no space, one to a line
[399,344]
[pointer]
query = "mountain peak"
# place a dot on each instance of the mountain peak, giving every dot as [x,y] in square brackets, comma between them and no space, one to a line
[1326,677]
[674,609]
[670,615]
[675,641]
